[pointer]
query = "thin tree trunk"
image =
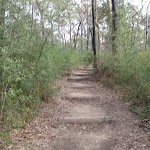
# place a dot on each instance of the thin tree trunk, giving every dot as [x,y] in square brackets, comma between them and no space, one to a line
[42,16]
[99,42]
[81,27]
[81,35]
[33,3]
[149,30]
[87,40]
[74,40]
[93,37]
[42,22]
[109,24]
[109,5]
[147,23]
[70,34]
[2,22]
[77,33]
[114,26]
[52,32]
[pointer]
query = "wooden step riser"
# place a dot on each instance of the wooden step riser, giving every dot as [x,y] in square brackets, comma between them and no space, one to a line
[83,120]
[78,79]
[83,98]
[83,87]
[84,69]
[77,74]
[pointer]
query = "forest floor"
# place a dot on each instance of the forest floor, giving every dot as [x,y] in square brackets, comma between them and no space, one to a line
[84,115]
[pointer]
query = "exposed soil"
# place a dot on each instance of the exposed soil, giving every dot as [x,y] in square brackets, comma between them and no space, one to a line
[45,133]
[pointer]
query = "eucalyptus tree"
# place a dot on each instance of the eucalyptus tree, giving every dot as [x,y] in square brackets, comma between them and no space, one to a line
[2,21]
[93,37]
[114,25]
[147,26]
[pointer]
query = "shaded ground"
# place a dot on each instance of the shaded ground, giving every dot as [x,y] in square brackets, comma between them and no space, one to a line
[44,132]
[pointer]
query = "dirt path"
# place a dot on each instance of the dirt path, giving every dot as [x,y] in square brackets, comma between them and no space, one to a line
[83,116]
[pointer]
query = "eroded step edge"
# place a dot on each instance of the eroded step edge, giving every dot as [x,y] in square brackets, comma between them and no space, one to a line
[84,120]
[81,96]
[78,78]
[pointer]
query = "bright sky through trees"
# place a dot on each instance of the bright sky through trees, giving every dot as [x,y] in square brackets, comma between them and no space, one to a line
[139,3]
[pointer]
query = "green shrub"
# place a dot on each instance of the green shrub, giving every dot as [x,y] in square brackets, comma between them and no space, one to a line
[26,81]
[131,70]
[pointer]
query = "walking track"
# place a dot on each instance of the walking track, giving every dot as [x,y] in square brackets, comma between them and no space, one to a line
[83,116]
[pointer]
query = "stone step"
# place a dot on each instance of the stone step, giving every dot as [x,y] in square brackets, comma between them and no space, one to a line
[81,86]
[82,96]
[78,78]
[84,120]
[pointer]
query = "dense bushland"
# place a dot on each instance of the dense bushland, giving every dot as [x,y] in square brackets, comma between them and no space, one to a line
[125,52]
[32,58]
[130,71]
[27,80]
[30,61]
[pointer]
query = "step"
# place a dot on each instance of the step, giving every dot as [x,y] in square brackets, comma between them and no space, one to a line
[89,66]
[84,110]
[84,120]
[81,86]
[81,74]
[85,69]
[82,96]
[78,78]
[79,140]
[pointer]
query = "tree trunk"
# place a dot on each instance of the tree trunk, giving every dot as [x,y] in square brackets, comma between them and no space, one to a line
[52,33]
[70,34]
[42,22]
[81,36]
[109,5]
[93,37]
[41,10]
[2,23]
[147,27]
[114,25]
[87,40]
[33,3]
[149,31]
[81,27]
[77,33]
[109,24]
[99,42]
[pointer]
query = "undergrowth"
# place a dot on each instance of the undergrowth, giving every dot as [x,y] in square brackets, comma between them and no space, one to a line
[28,80]
[130,72]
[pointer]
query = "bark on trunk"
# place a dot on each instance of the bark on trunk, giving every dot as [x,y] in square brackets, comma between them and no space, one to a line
[70,35]
[77,33]
[52,32]
[99,42]
[87,40]
[2,22]
[81,27]
[42,16]
[33,3]
[147,27]
[114,25]
[149,30]
[93,37]
[109,24]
